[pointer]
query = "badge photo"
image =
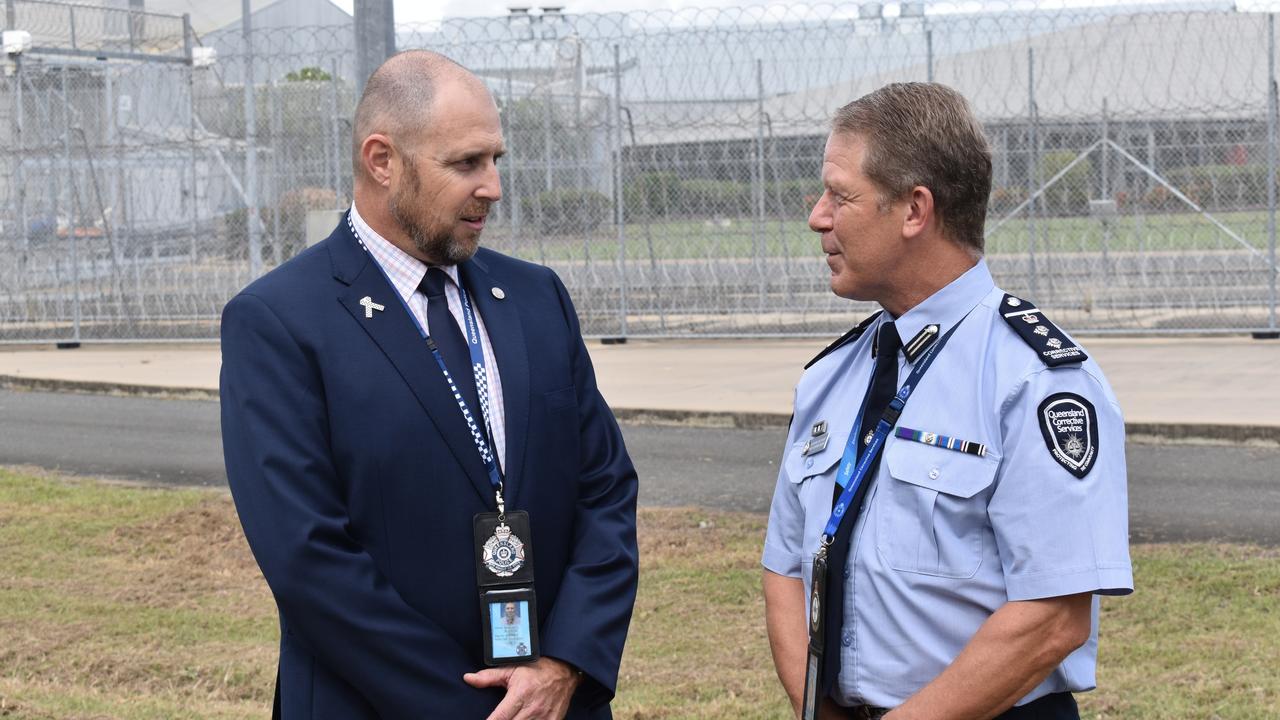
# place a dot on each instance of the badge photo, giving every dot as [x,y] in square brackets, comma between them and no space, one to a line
[510,626]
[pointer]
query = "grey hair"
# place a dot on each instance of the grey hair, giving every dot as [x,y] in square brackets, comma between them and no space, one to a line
[925,134]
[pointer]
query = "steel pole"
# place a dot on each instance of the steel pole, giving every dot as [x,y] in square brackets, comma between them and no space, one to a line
[250,151]
[928,44]
[375,30]
[758,194]
[20,173]
[1271,167]
[194,220]
[618,214]
[75,219]
[1106,188]
[335,127]
[1033,171]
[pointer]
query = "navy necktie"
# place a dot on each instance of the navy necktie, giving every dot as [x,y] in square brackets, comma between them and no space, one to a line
[448,338]
[884,385]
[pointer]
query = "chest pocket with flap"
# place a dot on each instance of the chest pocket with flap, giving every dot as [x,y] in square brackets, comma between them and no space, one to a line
[815,476]
[933,510]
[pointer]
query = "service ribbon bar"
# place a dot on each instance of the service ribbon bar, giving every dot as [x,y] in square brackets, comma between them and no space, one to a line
[942,441]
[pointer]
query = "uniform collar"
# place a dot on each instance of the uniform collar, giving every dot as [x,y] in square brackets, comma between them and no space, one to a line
[404,270]
[942,309]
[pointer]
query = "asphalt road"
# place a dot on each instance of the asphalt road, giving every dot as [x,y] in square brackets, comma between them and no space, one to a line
[1176,491]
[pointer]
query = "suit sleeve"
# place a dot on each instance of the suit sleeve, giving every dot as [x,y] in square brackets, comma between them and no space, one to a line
[290,501]
[588,625]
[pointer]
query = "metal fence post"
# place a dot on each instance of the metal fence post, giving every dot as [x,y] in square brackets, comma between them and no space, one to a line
[273,169]
[250,151]
[513,164]
[618,214]
[194,221]
[757,195]
[928,45]
[71,226]
[1271,168]
[335,125]
[20,173]
[548,117]
[1033,172]
[1105,219]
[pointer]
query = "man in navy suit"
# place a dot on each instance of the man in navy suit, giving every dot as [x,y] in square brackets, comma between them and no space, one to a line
[355,471]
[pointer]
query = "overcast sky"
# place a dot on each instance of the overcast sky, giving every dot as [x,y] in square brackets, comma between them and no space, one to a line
[417,11]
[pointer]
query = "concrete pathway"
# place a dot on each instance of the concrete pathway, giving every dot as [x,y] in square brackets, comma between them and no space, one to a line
[1223,388]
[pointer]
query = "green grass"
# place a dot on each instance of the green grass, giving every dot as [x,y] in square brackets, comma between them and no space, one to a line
[140,604]
[694,239]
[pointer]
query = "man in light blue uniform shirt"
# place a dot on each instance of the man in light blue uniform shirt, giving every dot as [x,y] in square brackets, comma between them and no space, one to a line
[997,511]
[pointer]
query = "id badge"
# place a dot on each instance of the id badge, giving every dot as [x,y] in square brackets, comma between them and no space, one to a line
[504,578]
[510,625]
[503,549]
[817,600]
[817,635]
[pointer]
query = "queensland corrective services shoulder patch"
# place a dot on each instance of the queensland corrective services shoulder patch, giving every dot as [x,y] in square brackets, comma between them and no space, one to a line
[1070,428]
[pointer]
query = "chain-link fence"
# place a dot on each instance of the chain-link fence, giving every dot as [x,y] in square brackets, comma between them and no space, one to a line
[663,163]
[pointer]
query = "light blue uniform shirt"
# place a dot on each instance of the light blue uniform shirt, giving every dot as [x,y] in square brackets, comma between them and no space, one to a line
[946,538]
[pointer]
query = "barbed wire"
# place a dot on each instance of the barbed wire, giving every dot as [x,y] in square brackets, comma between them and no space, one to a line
[664,163]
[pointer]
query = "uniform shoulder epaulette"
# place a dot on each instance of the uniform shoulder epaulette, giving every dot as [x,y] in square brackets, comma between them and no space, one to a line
[845,339]
[1053,346]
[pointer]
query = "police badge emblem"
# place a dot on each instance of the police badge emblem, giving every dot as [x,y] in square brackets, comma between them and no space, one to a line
[1069,424]
[503,552]
[504,555]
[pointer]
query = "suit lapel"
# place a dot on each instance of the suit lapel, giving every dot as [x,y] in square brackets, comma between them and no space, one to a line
[502,321]
[394,332]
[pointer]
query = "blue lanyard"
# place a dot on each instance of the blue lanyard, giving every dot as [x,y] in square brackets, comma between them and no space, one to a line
[852,470]
[479,367]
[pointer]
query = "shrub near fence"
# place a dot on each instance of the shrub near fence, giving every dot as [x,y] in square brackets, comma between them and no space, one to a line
[1222,187]
[666,195]
[569,211]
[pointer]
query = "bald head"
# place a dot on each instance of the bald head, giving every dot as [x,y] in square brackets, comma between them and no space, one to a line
[398,96]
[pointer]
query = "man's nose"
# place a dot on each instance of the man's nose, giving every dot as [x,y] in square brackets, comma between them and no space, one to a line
[820,216]
[491,188]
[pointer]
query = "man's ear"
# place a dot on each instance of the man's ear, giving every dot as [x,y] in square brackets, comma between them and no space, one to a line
[920,212]
[376,155]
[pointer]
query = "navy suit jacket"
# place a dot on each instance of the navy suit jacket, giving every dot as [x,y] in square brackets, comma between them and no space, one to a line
[356,480]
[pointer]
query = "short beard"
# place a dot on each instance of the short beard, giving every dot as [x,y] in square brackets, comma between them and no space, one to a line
[438,245]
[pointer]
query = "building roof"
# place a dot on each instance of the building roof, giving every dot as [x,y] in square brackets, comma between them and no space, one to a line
[209,16]
[1201,65]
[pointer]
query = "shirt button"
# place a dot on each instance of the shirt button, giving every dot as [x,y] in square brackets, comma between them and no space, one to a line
[808,463]
[933,474]
[846,639]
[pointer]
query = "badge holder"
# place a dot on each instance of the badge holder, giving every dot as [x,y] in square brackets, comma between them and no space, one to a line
[817,630]
[510,626]
[504,578]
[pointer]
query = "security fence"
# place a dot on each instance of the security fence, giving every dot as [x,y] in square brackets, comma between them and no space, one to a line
[662,163]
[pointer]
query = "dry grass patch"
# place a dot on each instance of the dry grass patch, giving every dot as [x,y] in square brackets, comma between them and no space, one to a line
[145,604]
[120,602]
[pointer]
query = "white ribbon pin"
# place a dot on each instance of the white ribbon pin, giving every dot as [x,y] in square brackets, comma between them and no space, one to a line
[370,306]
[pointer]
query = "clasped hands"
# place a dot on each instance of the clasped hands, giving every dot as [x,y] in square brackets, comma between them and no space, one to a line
[537,691]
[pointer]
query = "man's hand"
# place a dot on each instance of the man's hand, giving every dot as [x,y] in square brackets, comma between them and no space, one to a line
[537,691]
